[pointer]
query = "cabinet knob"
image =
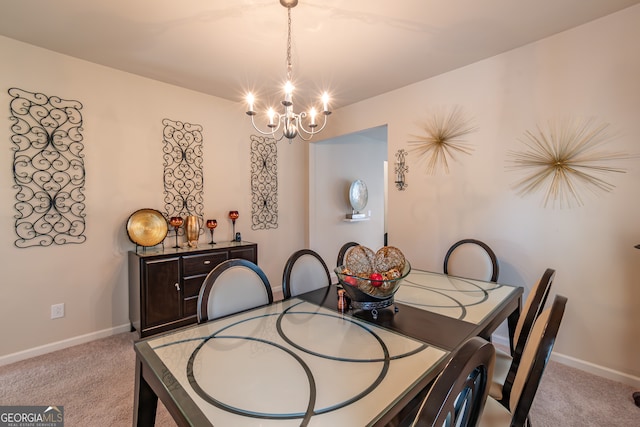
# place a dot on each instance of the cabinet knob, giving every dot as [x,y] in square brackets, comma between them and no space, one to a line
[207,262]
[177,285]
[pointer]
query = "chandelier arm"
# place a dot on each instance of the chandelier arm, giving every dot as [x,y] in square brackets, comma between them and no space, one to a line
[302,137]
[313,131]
[272,131]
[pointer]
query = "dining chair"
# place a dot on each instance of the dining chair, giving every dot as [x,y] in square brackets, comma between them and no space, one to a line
[514,410]
[232,286]
[343,252]
[457,397]
[507,363]
[471,259]
[304,271]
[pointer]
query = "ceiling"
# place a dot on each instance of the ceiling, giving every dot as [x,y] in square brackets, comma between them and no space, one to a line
[355,49]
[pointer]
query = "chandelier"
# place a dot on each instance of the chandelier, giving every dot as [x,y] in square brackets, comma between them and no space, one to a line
[291,123]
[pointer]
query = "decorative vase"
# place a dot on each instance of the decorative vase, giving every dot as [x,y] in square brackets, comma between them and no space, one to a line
[192,230]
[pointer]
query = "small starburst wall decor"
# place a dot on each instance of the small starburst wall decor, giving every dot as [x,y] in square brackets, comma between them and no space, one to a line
[443,138]
[564,158]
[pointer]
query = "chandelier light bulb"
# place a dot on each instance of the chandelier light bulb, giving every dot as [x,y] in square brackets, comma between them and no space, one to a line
[325,103]
[288,88]
[250,100]
[272,114]
[312,117]
[288,91]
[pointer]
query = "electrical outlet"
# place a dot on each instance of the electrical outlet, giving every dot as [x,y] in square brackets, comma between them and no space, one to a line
[57,311]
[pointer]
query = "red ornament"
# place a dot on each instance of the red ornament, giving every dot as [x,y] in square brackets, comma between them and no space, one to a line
[351,280]
[376,279]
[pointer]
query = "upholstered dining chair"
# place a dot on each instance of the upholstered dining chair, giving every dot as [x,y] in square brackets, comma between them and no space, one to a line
[232,286]
[507,363]
[514,411]
[471,259]
[304,271]
[458,395]
[343,252]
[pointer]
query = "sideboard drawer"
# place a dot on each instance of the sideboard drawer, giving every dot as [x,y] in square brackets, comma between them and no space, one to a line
[191,307]
[202,264]
[192,286]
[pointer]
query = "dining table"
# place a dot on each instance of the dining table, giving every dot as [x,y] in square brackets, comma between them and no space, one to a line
[305,361]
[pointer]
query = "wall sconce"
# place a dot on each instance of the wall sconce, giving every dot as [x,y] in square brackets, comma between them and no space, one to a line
[401,169]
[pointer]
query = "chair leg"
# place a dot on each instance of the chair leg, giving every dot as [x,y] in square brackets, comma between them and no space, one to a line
[636,398]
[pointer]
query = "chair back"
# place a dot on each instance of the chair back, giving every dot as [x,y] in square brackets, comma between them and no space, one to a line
[458,395]
[472,259]
[232,286]
[343,252]
[533,306]
[305,271]
[534,360]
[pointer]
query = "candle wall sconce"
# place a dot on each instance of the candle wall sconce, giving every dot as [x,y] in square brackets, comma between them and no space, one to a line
[401,169]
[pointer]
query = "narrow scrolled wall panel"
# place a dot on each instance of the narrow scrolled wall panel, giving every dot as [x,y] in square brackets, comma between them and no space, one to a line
[183,176]
[48,169]
[264,183]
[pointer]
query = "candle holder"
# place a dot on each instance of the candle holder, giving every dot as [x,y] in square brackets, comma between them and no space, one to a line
[233,215]
[176,222]
[211,225]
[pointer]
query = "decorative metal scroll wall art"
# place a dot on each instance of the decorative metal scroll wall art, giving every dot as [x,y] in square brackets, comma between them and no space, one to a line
[401,169]
[564,158]
[183,177]
[264,183]
[443,138]
[48,169]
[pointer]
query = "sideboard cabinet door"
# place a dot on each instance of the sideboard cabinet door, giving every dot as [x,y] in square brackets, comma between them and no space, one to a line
[162,295]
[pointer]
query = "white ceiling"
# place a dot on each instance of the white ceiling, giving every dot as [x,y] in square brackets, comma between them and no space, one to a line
[356,49]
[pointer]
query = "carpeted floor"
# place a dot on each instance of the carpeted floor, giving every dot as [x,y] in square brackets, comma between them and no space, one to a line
[95,381]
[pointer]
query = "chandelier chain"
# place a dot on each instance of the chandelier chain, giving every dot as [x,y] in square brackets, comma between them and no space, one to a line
[289,44]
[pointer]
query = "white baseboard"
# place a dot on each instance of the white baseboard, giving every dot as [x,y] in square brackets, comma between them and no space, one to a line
[59,345]
[589,367]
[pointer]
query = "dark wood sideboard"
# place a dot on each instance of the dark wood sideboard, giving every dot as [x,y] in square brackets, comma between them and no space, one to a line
[164,283]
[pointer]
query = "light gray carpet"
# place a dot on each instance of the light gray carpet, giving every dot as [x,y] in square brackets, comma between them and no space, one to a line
[95,382]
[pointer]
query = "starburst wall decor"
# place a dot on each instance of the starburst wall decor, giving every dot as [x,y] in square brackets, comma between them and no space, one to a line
[443,139]
[564,158]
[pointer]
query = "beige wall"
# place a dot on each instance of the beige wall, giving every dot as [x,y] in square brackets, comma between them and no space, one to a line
[122,121]
[590,71]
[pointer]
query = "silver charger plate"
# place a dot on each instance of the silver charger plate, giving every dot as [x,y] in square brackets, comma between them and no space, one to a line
[358,195]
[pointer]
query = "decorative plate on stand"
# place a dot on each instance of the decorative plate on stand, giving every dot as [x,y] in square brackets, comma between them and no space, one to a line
[147,227]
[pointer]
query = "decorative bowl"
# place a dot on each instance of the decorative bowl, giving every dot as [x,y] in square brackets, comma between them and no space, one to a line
[361,289]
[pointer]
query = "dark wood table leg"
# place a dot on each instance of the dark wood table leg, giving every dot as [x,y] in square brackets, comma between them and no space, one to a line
[145,402]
